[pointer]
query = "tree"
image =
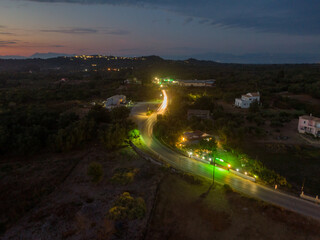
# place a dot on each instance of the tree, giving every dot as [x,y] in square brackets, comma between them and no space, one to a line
[99,114]
[120,114]
[254,107]
[127,208]
[210,144]
[113,136]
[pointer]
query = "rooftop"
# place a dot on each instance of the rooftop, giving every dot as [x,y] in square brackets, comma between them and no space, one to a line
[255,94]
[310,117]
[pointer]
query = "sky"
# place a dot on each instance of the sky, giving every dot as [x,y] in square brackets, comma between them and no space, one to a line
[168,28]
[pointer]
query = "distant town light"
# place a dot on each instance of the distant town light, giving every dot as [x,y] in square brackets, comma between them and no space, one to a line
[229,165]
[245,173]
[237,169]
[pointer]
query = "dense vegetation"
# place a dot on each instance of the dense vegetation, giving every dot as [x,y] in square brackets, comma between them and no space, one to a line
[46,105]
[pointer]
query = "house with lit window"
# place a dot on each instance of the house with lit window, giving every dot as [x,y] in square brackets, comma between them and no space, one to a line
[310,125]
[247,99]
[194,136]
[115,101]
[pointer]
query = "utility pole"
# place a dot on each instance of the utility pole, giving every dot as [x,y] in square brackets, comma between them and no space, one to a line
[214,168]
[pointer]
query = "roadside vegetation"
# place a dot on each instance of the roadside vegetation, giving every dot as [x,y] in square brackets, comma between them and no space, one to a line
[241,134]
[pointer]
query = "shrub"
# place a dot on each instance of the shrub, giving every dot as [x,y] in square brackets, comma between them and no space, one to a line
[95,171]
[124,176]
[227,188]
[127,208]
[189,178]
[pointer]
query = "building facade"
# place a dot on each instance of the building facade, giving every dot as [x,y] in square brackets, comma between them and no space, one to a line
[196,83]
[115,101]
[309,124]
[247,99]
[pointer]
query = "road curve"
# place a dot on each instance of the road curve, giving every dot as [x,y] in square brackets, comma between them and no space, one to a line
[222,176]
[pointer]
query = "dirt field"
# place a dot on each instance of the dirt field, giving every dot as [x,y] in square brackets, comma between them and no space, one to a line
[77,208]
[182,214]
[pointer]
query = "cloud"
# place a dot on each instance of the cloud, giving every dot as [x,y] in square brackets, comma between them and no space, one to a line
[107,31]
[188,20]
[71,31]
[117,32]
[6,33]
[7,43]
[299,17]
[56,46]
[204,21]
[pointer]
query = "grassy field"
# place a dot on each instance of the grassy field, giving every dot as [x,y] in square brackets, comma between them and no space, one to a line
[182,213]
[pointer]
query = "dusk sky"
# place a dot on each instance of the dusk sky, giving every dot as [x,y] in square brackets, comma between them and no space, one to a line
[165,28]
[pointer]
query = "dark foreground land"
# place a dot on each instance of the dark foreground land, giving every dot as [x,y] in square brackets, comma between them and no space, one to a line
[69,205]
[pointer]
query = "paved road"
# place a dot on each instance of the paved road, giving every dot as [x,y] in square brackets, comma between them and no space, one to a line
[222,176]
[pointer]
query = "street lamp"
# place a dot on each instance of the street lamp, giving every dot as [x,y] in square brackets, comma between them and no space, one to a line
[214,168]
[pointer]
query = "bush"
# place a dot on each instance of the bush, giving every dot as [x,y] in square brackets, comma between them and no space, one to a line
[227,188]
[189,178]
[124,176]
[95,171]
[127,208]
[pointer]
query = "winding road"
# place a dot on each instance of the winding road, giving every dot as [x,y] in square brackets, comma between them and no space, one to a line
[222,176]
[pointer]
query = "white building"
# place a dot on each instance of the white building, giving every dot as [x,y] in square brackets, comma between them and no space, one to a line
[309,124]
[196,83]
[247,99]
[115,101]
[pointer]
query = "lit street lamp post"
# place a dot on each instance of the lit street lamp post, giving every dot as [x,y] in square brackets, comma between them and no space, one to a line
[213,162]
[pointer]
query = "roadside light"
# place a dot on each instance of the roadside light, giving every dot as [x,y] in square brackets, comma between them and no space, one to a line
[183,139]
[237,169]
[161,85]
[245,173]
[221,160]
[255,176]
[203,157]
[160,94]
[210,159]
[229,165]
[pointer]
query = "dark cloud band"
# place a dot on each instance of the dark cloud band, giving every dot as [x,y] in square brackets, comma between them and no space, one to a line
[297,17]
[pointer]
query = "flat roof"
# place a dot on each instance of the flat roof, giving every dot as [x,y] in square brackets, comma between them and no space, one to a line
[308,117]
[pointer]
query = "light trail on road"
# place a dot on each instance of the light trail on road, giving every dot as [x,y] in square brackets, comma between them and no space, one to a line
[222,176]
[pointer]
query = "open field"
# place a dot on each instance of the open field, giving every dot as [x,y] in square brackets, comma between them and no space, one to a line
[77,208]
[182,214]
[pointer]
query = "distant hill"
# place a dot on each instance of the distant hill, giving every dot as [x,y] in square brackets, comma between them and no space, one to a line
[257,58]
[50,55]
[38,55]
[12,57]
